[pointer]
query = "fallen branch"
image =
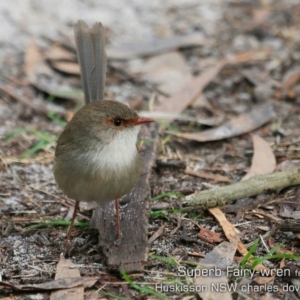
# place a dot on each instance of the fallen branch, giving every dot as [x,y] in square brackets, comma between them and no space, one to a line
[251,187]
[289,225]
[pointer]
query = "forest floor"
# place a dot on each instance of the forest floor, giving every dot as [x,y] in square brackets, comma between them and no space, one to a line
[232,70]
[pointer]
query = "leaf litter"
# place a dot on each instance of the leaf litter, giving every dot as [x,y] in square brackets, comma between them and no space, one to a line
[27,186]
[263,160]
[246,122]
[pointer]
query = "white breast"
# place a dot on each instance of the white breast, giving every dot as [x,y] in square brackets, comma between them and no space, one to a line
[117,154]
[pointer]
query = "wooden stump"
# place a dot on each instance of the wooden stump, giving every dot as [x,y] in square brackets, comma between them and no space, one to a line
[130,251]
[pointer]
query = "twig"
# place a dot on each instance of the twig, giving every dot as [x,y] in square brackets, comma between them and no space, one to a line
[289,225]
[251,187]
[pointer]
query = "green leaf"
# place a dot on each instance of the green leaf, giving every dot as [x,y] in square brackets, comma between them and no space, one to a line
[159,214]
[56,119]
[15,132]
[170,261]
[249,254]
[40,145]
[143,289]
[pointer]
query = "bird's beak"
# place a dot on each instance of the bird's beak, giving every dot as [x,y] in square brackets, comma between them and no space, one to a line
[141,120]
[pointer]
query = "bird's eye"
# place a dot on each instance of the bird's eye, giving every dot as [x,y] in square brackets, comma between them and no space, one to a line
[117,121]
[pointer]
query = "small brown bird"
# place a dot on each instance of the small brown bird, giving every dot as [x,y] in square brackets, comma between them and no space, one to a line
[96,157]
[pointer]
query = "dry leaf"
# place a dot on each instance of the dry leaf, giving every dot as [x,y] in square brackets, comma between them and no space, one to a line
[246,122]
[158,115]
[56,52]
[55,91]
[64,270]
[63,283]
[229,230]
[213,177]
[36,67]
[35,63]
[290,79]
[169,71]
[130,51]
[157,234]
[263,85]
[191,91]
[259,17]
[290,214]
[232,233]
[287,165]
[263,160]
[67,274]
[93,295]
[193,88]
[257,77]
[263,279]
[215,262]
[66,67]
[196,254]
[209,236]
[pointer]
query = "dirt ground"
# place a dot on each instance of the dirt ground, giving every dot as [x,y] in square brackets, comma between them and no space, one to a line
[240,65]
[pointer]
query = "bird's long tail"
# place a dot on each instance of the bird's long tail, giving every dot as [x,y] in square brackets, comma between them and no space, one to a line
[90,46]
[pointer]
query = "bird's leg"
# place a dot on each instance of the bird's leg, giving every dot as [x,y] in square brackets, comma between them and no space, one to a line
[117,207]
[72,222]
